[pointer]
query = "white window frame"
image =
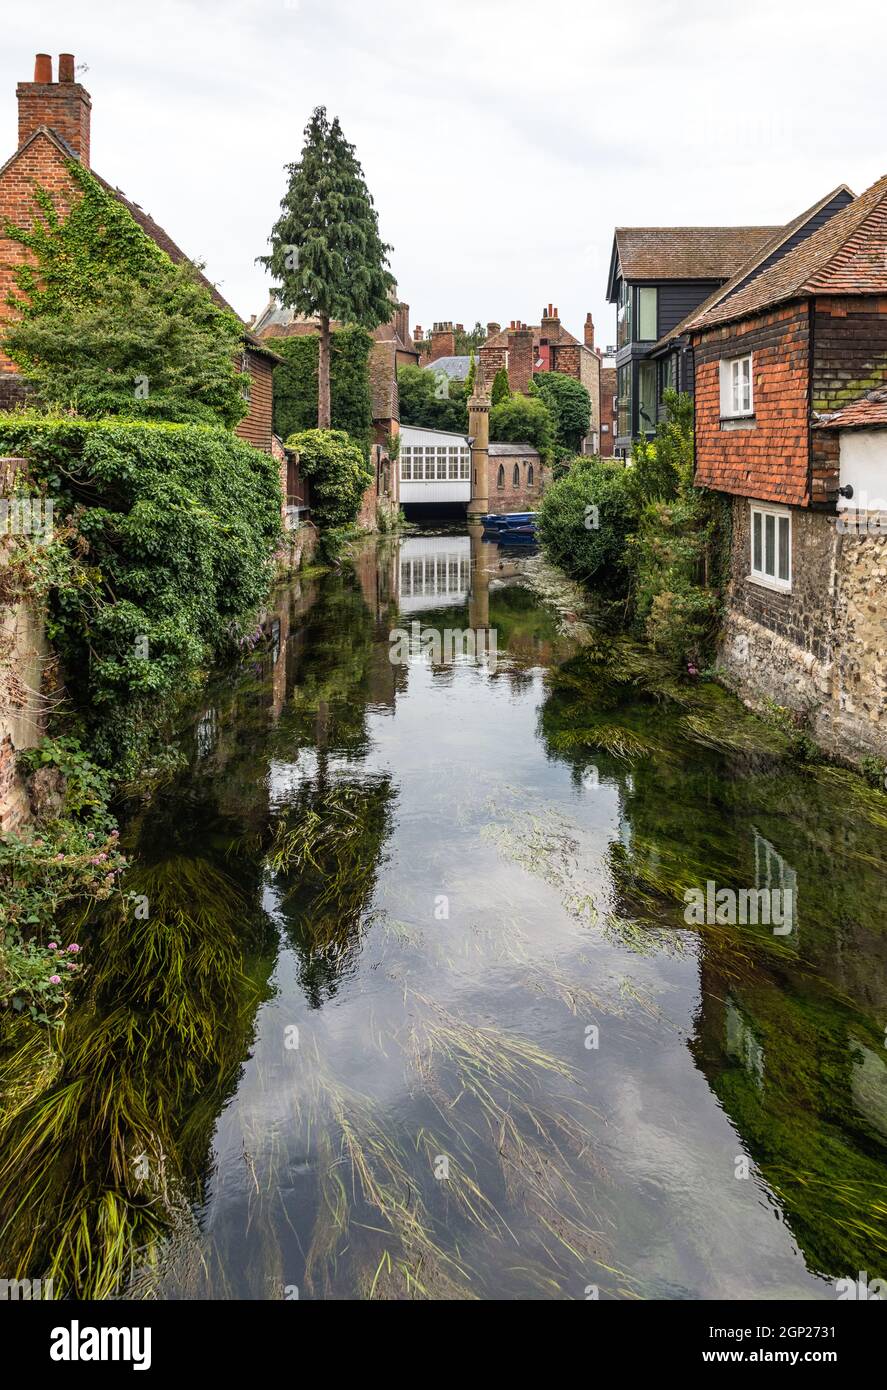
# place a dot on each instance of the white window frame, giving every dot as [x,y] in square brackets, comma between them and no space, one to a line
[733,401]
[761,575]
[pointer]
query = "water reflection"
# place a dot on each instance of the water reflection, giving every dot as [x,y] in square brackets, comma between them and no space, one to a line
[390,906]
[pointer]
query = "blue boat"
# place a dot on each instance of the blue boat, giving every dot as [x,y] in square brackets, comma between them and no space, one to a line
[511,527]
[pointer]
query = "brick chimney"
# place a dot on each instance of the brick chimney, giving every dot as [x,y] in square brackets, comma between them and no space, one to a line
[520,356]
[402,322]
[551,324]
[493,329]
[64,106]
[443,341]
[589,331]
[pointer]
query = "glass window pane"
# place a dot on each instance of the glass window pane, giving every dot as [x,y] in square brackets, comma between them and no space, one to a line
[783,548]
[647,306]
[770,544]
[647,396]
[757,547]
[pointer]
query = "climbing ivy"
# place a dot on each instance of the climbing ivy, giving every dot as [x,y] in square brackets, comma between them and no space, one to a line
[295,384]
[172,530]
[104,323]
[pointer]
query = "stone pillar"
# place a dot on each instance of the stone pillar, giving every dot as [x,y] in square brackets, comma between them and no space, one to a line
[479,592]
[479,430]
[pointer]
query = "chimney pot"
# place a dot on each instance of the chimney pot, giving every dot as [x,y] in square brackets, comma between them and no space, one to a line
[43,68]
[66,67]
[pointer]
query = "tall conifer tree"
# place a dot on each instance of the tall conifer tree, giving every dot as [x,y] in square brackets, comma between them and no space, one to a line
[327,257]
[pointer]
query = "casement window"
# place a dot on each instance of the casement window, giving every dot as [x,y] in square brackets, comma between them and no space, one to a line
[623,401]
[737,391]
[648,397]
[623,315]
[771,546]
[406,464]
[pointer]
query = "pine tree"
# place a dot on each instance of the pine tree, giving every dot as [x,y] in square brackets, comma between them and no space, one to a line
[326,254]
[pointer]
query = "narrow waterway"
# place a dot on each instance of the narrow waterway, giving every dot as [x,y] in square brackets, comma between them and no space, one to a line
[410,1007]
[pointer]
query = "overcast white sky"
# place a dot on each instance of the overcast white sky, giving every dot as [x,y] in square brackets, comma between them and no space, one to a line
[502,140]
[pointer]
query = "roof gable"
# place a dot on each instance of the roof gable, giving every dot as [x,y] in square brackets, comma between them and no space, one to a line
[771,250]
[846,256]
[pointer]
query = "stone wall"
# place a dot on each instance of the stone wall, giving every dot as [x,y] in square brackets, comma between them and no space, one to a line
[820,650]
[24,659]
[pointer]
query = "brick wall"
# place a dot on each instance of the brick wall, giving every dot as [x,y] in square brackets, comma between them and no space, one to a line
[767,457]
[63,106]
[608,414]
[257,426]
[527,496]
[42,162]
[520,358]
[493,360]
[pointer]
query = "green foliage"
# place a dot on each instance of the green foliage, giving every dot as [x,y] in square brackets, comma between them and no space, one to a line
[682,532]
[570,407]
[501,390]
[585,520]
[36,980]
[326,254]
[173,532]
[419,405]
[654,537]
[472,374]
[523,420]
[295,384]
[338,473]
[470,341]
[110,326]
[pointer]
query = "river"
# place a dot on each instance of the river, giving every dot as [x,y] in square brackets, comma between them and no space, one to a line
[405,1002]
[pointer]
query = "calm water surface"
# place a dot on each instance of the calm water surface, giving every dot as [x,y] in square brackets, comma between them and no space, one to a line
[447,1032]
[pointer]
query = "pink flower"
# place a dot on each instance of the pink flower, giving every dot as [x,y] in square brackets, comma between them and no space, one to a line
[53,946]
[71,965]
[115,834]
[74,948]
[55,979]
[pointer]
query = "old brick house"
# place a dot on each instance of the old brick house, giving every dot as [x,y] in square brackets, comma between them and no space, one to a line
[53,129]
[525,349]
[787,427]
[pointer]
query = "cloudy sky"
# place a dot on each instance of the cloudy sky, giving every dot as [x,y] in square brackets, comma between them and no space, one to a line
[501,140]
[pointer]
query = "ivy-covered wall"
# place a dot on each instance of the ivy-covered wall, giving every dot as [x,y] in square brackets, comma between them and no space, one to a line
[295,385]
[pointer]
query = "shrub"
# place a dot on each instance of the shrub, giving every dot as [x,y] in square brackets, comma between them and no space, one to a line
[569,404]
[338,473]
[173,532]
[523,420]
[585,521]
[423,403]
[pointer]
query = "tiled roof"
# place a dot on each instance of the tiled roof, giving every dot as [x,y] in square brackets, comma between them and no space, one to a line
[520,449]
[868,413]
[686,253]
[848,255]
[456,368]
[564,337]
[758,257]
